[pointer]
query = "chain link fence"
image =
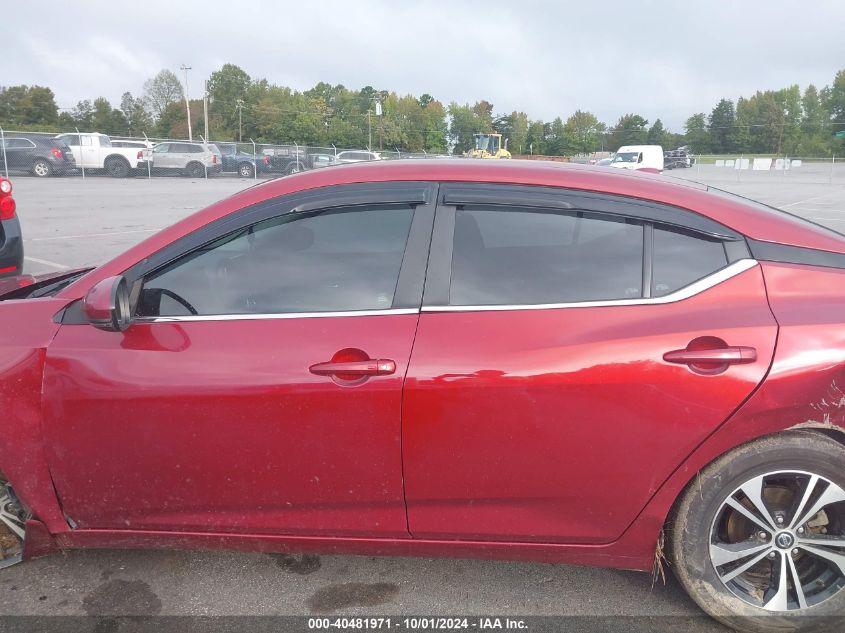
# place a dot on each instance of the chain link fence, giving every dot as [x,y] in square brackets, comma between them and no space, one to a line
[766,168]
[87,154]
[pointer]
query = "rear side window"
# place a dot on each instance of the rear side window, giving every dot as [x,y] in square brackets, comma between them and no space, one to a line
[681,258]
[525,256]
[338,260]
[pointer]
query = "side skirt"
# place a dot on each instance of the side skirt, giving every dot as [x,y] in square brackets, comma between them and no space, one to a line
[615,555]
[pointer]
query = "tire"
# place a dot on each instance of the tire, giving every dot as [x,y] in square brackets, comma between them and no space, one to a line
[295,168]
[117,167]
[195,170]
[706,532]
[246,170]
[42,168]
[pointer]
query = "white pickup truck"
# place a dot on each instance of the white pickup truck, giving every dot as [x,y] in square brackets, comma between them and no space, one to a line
[95,151]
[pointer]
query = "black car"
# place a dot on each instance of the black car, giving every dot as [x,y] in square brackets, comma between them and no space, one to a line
[236,161]
[35,154]
[11,243]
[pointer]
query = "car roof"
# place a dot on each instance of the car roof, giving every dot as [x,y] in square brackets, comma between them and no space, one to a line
[751,219]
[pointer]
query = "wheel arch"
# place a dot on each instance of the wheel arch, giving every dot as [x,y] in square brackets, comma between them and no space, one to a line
[831,431]
[116,156]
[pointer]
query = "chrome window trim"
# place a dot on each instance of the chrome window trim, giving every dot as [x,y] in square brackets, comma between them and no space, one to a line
[686,292]
[280,315]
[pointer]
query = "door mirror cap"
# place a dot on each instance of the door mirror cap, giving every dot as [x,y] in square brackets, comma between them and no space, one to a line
[106,304]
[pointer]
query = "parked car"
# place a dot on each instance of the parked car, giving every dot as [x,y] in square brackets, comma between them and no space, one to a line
[460,358]
[189,159]
[233,160]
[11,242]
[36,154]
[678,159]
[604,162]
[287,160]
[95,151]
[356,156]
[639,158]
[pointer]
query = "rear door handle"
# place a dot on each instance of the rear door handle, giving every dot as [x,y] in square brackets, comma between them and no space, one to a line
[357,368]
[724,356]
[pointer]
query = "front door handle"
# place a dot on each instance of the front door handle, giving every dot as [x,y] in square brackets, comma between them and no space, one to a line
[735,355]
[356,368]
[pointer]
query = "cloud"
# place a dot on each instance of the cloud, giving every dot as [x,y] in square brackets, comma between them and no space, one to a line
[657,58]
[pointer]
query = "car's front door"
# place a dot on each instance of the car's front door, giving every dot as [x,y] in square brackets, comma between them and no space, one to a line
[573,349]
[260,388]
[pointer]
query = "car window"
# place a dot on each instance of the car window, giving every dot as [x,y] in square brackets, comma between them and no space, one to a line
[525,256]
[161,148]
[338,260]
[69,139]
[680,258]
[19,143]
[87,141]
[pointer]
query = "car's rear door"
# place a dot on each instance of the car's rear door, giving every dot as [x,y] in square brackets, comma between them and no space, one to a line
[573,349]
[260,389]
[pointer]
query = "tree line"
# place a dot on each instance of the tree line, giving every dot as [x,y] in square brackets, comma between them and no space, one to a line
[785,121]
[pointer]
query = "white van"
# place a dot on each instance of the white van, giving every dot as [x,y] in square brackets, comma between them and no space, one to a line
[639,157]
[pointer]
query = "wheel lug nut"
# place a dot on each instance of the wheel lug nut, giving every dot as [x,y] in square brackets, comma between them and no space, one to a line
[779,519]
[763,535]
[795,552]
[800,530]
[772,554]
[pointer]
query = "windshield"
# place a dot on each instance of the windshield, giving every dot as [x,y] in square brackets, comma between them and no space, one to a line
[486,142]
[626,157]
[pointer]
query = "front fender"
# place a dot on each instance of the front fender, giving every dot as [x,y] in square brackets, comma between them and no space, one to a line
[26,329]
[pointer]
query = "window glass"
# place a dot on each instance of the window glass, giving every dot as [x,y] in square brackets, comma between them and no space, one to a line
[680,258]
[331,261]
[524,257]
[70,139]
[87,141]
[19,143]
[161,148]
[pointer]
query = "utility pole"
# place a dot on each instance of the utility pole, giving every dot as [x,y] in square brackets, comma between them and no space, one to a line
[185,69]
[370,130]
[205,111]
[240,105]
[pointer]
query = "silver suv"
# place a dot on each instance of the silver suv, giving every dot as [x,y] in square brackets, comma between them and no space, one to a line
[191,159]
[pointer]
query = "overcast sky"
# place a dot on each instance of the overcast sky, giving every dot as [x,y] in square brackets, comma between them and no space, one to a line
[664,59]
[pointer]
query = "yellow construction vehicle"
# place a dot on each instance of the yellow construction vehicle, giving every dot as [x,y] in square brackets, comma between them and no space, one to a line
[489,146]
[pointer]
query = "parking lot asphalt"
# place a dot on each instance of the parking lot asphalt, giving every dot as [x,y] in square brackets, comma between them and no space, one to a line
[68,222]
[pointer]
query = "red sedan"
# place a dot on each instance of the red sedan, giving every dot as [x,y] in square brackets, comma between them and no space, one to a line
[450,358]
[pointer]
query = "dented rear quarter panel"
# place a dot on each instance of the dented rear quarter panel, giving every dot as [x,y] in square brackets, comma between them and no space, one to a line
[26,329]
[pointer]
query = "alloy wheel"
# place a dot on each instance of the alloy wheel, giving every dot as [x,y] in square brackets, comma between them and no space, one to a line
[41,168]
[11,521]
[778,541]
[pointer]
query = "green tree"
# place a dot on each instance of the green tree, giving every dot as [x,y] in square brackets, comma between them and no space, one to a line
[629,130]
[227,88]
[722,126]
[656,134]
[697,135]
[28,106]
[583,129]
[161,91]
[138,119]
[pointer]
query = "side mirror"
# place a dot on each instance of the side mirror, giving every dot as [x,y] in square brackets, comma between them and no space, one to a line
[106,305]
